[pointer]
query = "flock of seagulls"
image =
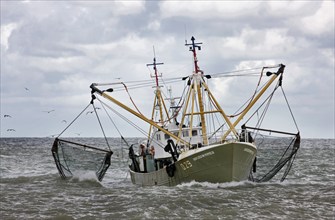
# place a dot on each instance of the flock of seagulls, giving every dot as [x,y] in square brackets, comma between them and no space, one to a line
[9,116]
[48,112]
[9,129]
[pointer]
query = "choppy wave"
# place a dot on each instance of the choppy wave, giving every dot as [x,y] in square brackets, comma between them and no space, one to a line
[32,189]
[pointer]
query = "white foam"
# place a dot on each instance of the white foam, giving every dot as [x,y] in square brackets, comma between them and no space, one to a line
[85,175]
[214,185]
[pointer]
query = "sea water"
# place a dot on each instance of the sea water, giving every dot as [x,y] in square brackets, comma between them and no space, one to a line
[31,188]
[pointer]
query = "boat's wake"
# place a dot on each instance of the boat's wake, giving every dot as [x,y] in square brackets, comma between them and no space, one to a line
[194,184]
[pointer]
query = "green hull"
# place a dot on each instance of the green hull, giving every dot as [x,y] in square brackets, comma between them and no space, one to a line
[215,164]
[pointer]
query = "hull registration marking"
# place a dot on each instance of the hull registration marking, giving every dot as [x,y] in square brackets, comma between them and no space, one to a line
[203,155]
[248,150]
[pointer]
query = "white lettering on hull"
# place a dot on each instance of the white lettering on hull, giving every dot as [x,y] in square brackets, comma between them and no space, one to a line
[203,155]
[248,150]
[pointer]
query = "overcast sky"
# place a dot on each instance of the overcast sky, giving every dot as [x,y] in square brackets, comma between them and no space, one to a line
[51,51]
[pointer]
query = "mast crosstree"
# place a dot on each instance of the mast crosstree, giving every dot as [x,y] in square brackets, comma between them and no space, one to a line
[159,104]
[197,85]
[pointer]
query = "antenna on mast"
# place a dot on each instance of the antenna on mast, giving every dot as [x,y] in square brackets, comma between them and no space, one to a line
[153,48]
[193,47]
[154,64]
[185,33]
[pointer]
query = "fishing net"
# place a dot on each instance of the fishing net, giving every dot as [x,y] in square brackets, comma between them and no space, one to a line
[275,157]
[73,158]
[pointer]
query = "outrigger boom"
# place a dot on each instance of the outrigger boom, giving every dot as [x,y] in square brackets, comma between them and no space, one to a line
[151,122]
[255,99]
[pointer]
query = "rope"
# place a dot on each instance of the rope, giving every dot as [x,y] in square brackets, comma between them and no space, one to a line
[146,83]
[74,120]
[289,107]
[269,97]
[102,129]
[110,118]
[238,71]
[253,96]
[262,116]
[131,98]
[130,122]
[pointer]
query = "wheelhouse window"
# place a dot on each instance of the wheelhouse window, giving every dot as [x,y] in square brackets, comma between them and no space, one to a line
[166,136]
[194,132]
[158,137]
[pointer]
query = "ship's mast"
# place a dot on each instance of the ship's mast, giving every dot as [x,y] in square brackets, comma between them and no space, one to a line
[197,76]
[197,83]
[193,47]
[158,101]
[159,104]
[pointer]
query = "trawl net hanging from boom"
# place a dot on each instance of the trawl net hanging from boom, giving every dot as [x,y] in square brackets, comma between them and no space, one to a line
[71,158]
[281,156]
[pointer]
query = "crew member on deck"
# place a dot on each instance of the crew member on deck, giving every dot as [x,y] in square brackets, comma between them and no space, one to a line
[142,150]
[152,151]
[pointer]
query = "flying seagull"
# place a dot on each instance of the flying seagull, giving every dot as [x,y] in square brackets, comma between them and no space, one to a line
[53,135]
[11,129]
[64,121]
[89,112]
[49,111]
[7,116]
[26,88]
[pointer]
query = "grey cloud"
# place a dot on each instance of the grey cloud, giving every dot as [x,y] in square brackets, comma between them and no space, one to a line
[59,47]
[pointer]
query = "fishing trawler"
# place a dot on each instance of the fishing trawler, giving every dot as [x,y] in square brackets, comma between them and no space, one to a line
[192,141]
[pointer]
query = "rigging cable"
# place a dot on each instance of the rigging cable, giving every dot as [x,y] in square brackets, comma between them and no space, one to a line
[261,117]
[253,96]
[247,101]
[122,138]
[110,118]
[146,83]
[128,121]
[131,98]
[237,71]
[102,129]
[286,158]
[289,107]
[74,120]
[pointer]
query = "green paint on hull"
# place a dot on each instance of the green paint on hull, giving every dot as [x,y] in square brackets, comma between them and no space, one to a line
[215,164]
